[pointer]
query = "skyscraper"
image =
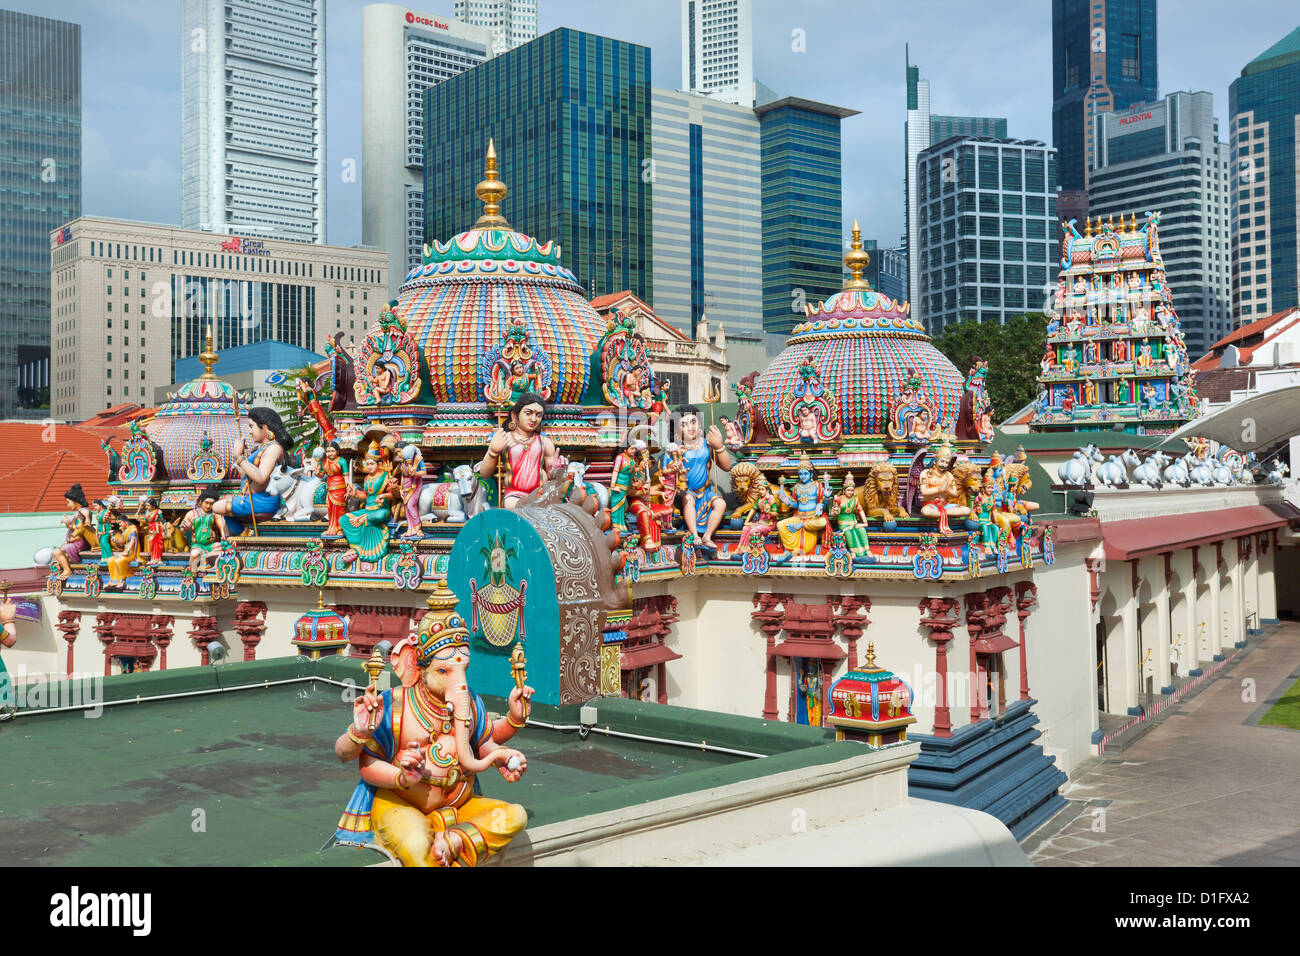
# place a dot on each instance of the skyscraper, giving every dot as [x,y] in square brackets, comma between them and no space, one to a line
[708,215]
[570,114]
[802,210]
[40,189]
[921,130]
[403,53]
[1264,105]
[718,49]
[1103,60]
[987,241]
[253,118]
[1167,157]
[512,23]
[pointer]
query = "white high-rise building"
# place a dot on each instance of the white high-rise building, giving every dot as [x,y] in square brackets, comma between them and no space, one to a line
[1167,157]
[511,22]
[718,49]
[403,53]
[253,118]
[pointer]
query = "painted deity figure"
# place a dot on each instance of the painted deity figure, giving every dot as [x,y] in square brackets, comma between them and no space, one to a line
[526,450]
[421,745]
[366,529]
[1122,392]
[801,532]
[1150,397]
[810,685]
[411,470]
[702,506]
[154,537]
[1119,350]
[761,519]
[1144,359]
[1089,392]
[809,422]
[850,520]
[81,536]
[1091,352]
[126,556]
[254,461]
[105,522]
[624,465]
[1068,402]
[650,502]
[1048,361]
[336,489]
[205,528]
[1071,359]
[309,403]
[941,491]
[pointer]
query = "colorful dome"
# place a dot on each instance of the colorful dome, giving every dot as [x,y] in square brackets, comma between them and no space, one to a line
[862,345]
[203,408]
[460,302]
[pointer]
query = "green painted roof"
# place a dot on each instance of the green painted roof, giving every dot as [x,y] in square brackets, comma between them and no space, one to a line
[1285,51]
[126,787]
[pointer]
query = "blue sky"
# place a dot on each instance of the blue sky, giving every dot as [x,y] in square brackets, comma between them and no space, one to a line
[992,59]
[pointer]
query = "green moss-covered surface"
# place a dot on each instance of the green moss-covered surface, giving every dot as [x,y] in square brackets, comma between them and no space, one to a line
[247,776]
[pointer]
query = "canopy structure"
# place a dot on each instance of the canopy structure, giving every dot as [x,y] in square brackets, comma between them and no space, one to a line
[1251,424]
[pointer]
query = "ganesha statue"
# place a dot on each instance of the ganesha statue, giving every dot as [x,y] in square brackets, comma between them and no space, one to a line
[421,747]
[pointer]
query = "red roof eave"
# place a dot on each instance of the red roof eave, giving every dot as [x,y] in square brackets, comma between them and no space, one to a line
[1142,537]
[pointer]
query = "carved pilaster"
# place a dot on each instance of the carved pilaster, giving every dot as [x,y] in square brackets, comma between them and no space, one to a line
[1026,598]
[69,627]
[770,616]
[250,625]
[939,617]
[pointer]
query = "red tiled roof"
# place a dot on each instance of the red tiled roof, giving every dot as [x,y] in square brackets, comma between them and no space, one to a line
[1246,331]
[118,415]
[50,459]
[1140,537]
[605,303]
[1214,357]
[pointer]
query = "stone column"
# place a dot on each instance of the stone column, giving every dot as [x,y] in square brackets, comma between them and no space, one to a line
[1130,660]
[1214,626]
[1191,639]
[1236,630]
[1163,636]
[1026,598]
[939,617]
[1250,572]
[1267,579]
[69,627]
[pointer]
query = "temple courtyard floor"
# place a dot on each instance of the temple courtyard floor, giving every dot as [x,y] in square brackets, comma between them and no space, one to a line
[1205,784]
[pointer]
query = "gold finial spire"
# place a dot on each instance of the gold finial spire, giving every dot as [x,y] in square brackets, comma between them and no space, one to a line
[1087,229]
[856,261]
[1133,222]
[871,655]
[491,190]
[1110,223]
[207,358]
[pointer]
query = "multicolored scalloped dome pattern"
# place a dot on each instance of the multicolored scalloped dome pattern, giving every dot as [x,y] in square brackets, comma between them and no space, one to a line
[459,302]
[200,407]
[862,344]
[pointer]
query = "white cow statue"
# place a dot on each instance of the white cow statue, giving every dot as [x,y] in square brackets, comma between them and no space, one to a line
[1114,471]
[1078,470]
[1148,473]
[457,500]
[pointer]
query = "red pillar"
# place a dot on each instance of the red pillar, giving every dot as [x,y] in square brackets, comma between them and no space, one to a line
[1026,598]
[852,621]
[203,630]
[104,631]
[162,636]
[250,625]
[70,627]
[938,615]
[770,618]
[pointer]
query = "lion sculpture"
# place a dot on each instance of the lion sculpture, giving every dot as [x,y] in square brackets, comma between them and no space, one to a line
[880,493]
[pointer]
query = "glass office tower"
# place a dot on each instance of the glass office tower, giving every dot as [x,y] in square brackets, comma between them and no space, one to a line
[40,189]
[570,114]
[802,210]
[1264,103]
[1103,60]
[987,243]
